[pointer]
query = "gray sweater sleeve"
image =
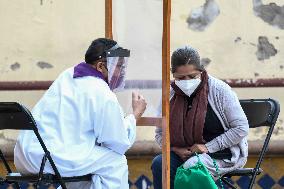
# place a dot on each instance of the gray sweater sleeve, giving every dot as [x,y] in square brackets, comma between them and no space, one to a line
[158,131]
[238,126]
[158,136]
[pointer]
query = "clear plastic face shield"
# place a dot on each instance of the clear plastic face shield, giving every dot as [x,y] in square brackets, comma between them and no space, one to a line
[117,60]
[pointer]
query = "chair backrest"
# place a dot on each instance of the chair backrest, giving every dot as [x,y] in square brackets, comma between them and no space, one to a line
[261,112]
[15,116]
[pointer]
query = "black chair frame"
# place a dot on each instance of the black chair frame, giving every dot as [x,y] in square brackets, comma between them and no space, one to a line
[260,112]
[16,116]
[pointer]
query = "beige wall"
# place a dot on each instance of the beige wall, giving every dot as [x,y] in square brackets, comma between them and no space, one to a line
[56,32]
[230,59]
[38,41]
[55,35]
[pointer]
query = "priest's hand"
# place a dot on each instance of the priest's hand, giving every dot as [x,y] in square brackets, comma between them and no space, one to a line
[138,105]
[183,153]
[199,148]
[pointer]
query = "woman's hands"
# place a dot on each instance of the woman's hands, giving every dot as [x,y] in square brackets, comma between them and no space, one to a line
[199,148]
[185,152]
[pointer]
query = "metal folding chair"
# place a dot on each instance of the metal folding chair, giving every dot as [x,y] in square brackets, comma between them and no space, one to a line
[260,113]
[17,117]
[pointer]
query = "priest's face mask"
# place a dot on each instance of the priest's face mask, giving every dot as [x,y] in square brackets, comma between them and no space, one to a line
[115,65]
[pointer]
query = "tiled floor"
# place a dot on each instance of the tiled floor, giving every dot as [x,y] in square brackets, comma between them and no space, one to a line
[140,175]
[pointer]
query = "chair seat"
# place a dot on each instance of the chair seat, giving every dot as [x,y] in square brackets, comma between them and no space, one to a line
[242,172]
[46,178]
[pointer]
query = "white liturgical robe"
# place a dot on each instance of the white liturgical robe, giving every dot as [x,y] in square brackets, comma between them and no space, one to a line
[85,130]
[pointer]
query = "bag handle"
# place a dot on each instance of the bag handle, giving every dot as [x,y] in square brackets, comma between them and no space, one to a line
[218,173]
[216,167]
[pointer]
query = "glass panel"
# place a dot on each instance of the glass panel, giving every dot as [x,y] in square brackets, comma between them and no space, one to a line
[137,25]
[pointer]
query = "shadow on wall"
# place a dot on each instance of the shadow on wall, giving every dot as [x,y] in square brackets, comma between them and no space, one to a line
[272,13]
[200,18]
[265,49]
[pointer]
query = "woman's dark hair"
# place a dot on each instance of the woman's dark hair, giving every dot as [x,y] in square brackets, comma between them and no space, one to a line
[97,49]
[185,55]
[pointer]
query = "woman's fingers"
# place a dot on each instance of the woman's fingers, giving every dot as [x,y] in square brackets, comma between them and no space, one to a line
[194,148]
[199,148]
[187,153]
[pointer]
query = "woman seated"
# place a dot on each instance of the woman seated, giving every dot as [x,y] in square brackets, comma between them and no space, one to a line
[205,117]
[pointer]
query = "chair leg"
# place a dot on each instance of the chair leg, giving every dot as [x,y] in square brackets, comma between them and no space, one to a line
[252,181]
[228,183]
[63,185]
[35,185]
[17,186]
[8,168]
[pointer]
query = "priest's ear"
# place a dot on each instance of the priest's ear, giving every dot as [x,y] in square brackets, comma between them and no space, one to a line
[101,67]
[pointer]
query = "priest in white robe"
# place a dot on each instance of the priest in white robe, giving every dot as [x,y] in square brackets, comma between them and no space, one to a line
[82,123]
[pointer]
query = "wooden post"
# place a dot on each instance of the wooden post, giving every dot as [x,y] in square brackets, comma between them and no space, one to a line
[108,19]
[166,92]
[165,81]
